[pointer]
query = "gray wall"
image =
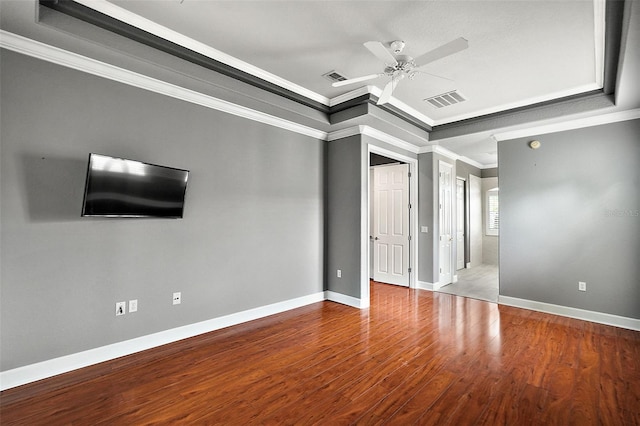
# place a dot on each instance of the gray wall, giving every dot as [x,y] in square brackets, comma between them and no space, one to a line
[569,213]
[488,173]
[464,170]
[426,216]
[252,232]
[346,162]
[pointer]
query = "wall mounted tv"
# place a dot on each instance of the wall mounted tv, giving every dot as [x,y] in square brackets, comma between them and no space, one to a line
[116,187]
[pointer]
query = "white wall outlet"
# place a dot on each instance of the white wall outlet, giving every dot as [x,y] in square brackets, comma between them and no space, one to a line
[133,305]
[121,308]
[424,229]
[582,286]
[339,273]
[177,298]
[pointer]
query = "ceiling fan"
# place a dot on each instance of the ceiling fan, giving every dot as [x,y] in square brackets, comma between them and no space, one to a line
[401,66]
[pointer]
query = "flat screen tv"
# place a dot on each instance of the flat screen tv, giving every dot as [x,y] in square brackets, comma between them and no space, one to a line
[116,187]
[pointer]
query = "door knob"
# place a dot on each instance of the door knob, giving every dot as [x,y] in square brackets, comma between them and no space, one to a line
[375,238]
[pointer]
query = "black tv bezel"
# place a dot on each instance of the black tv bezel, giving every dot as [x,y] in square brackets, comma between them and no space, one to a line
[86,189]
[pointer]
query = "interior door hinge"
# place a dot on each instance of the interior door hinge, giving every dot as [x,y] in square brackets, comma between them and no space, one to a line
[409,205]
[409,270]
[409,237]
[409,174]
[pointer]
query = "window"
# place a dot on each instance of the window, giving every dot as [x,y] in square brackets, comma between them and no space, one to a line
[493,212]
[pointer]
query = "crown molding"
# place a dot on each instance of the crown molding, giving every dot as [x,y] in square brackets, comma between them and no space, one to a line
[474,163]
[130,18]
[374,133]
[78,62]
[578,123]
[439,150]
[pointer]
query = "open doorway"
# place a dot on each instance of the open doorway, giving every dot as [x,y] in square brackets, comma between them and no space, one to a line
[477,228]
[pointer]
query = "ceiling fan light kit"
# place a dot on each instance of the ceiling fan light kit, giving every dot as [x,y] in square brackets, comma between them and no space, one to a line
[400,66]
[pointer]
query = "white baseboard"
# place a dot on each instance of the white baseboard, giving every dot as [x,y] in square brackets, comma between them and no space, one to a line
[566,311]
[53,367]
[455,279]
[424,285]
[437,286]
[344,299]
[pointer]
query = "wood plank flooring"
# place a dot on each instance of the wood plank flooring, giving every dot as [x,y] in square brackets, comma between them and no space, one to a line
[414,357]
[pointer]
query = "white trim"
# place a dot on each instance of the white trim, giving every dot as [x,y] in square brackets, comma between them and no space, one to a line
[599,15]
[72,60]
[345,300]
[579,123]
[455,279]
[161,31]
[437,286]
[567,311]
[344,133]
[424,285]
[387,138]
[585,88]
[364,90]
[41,370]
[471,162]
[439,150]
[374,133]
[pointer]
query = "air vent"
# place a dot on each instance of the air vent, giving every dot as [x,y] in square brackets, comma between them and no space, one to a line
[446,99]
[334,76]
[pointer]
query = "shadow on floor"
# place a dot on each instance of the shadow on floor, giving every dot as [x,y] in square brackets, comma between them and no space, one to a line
[479,282]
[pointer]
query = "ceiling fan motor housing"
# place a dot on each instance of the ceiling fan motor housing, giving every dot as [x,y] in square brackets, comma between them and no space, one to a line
[397,46]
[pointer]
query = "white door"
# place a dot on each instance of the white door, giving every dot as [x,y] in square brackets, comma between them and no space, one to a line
[391,224]
[445,185]
[460,218]
[475,221]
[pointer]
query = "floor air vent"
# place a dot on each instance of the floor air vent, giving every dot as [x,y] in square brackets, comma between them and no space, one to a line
[334,76]
[446,99]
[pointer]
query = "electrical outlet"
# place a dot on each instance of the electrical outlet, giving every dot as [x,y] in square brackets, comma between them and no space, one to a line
[424,229]
[133,305]
[177,298]
[121,308]
[582,286]
[339,273]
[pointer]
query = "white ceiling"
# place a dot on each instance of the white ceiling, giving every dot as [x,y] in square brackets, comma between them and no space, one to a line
[520,52]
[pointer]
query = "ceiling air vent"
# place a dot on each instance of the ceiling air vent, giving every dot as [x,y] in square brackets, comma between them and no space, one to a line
[334,76]
[446,99]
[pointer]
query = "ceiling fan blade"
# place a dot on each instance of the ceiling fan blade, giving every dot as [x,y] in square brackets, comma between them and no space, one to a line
[432,75]
[388,90]
[356,80]
[450,48]
[381,52]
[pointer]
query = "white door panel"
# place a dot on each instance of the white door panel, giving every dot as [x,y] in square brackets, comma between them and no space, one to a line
[391,224]
[445,185]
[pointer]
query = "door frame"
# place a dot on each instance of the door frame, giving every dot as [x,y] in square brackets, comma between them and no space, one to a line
[365,215]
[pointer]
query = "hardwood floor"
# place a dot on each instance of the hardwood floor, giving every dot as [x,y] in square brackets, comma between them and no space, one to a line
[414,357]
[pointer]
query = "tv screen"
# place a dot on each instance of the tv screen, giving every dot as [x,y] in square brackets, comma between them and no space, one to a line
[116,187]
